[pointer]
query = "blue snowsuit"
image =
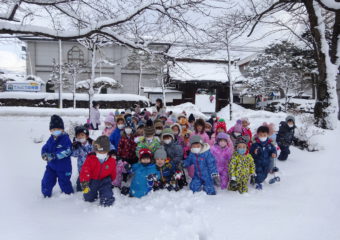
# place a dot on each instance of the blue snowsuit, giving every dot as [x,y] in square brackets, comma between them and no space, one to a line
[80,152]
[115,137]
[263,158]
[59,167]
[205,166]
[139,185]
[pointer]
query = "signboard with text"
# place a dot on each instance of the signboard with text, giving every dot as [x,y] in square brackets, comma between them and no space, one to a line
[23,87]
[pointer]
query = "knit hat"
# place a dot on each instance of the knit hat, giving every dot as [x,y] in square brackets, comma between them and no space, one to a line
[158,123]
[238,126]
[129,124]
[167,132]
[160,153]
[145,152]
[214,115]
[81,129]
[222,135]
[56,122]
[141,124]
[149,129]
[110,119]
[221,125]
[163,116]
[241,139]
[208,124]
[102,144]
[196,139]
[245,119]
[181,115]
[290,117]
[191,118]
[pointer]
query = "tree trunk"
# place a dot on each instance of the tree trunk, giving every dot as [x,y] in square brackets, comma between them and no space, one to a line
[93,69]
[326,104]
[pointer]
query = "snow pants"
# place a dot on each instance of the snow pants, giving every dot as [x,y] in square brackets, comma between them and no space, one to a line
[284,153]
[262,172]
[103,187]
[242,186]
[207,183]
[50,179]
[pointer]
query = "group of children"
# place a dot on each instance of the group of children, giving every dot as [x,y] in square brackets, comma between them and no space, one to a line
[139,152]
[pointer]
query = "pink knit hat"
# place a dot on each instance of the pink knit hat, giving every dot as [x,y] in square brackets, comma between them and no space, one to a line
[110,119]
[238,126]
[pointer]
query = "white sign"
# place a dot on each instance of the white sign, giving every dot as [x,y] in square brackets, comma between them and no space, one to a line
[206,103]
[23,87]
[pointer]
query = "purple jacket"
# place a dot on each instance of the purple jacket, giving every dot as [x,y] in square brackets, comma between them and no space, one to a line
[222,156]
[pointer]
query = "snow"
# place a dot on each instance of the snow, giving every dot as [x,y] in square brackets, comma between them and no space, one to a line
[198,71]
[304,205]
[79,96]
[188,108]
[98,81]
[159,90]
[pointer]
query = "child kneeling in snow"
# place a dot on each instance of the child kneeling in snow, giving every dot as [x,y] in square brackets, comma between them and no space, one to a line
[144,174]
[205,166]
[81,146]
[262,151]
[57,153]
[241,167]
[170,179]
[98,172]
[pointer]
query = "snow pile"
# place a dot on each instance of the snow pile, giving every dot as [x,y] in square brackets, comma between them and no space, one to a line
[114,97]
[188,108]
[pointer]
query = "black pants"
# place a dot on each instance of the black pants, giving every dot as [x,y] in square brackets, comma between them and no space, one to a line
[284,153]
[94,128]
[103,187]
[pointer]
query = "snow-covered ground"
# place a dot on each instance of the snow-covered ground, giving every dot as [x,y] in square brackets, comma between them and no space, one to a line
[304,205]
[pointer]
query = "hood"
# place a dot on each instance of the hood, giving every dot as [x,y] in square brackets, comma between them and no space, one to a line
[206,147]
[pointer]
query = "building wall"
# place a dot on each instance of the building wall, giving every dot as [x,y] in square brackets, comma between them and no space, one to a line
[41,54]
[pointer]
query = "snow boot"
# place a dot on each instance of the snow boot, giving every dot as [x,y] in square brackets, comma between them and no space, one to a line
[258,186]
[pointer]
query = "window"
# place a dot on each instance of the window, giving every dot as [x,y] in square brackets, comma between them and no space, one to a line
[75,55]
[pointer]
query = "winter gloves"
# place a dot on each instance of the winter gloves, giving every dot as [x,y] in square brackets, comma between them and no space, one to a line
[216,179]
[47,156]
[85,186]
[152,179]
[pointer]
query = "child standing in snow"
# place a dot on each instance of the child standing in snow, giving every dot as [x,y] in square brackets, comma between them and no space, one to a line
[206,173]
[82,145]
[285,137]
[117,132]
[262,151]
[222,151]
[246,131]
[57,153]
[144,174]
[97,173]
[109,125]
[241,167]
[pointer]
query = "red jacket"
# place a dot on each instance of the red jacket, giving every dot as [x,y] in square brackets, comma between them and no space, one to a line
[93,169]
[127,147]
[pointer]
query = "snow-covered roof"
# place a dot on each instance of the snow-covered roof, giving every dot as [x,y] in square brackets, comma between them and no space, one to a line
[203,71]
[159,90]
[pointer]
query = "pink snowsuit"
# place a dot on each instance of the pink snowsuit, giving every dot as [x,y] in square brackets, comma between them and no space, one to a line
[223,156]
[120,169]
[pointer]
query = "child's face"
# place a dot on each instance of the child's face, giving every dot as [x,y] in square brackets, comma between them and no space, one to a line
[208,128]
[120,122]
[140,131]
[220,130]
[196,145]
[160,162]
[222,143]
[241,146]
[290,122]
[245,124]
[262,134]
[108,125]
[167,137]
[56,129]
[145,160]
[81,135]
[199,128]
[175,130]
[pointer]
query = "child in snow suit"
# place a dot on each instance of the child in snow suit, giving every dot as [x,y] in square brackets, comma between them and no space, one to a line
[241,167]
[210,133]
[205,166]
[149,141]
[57,153]
[262,150]
[166,170]
[97,173]
[222,151]
[109,125]
[144,173]
[246,131]
[117,132]
[82,145]
[285,137]
[237,130]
